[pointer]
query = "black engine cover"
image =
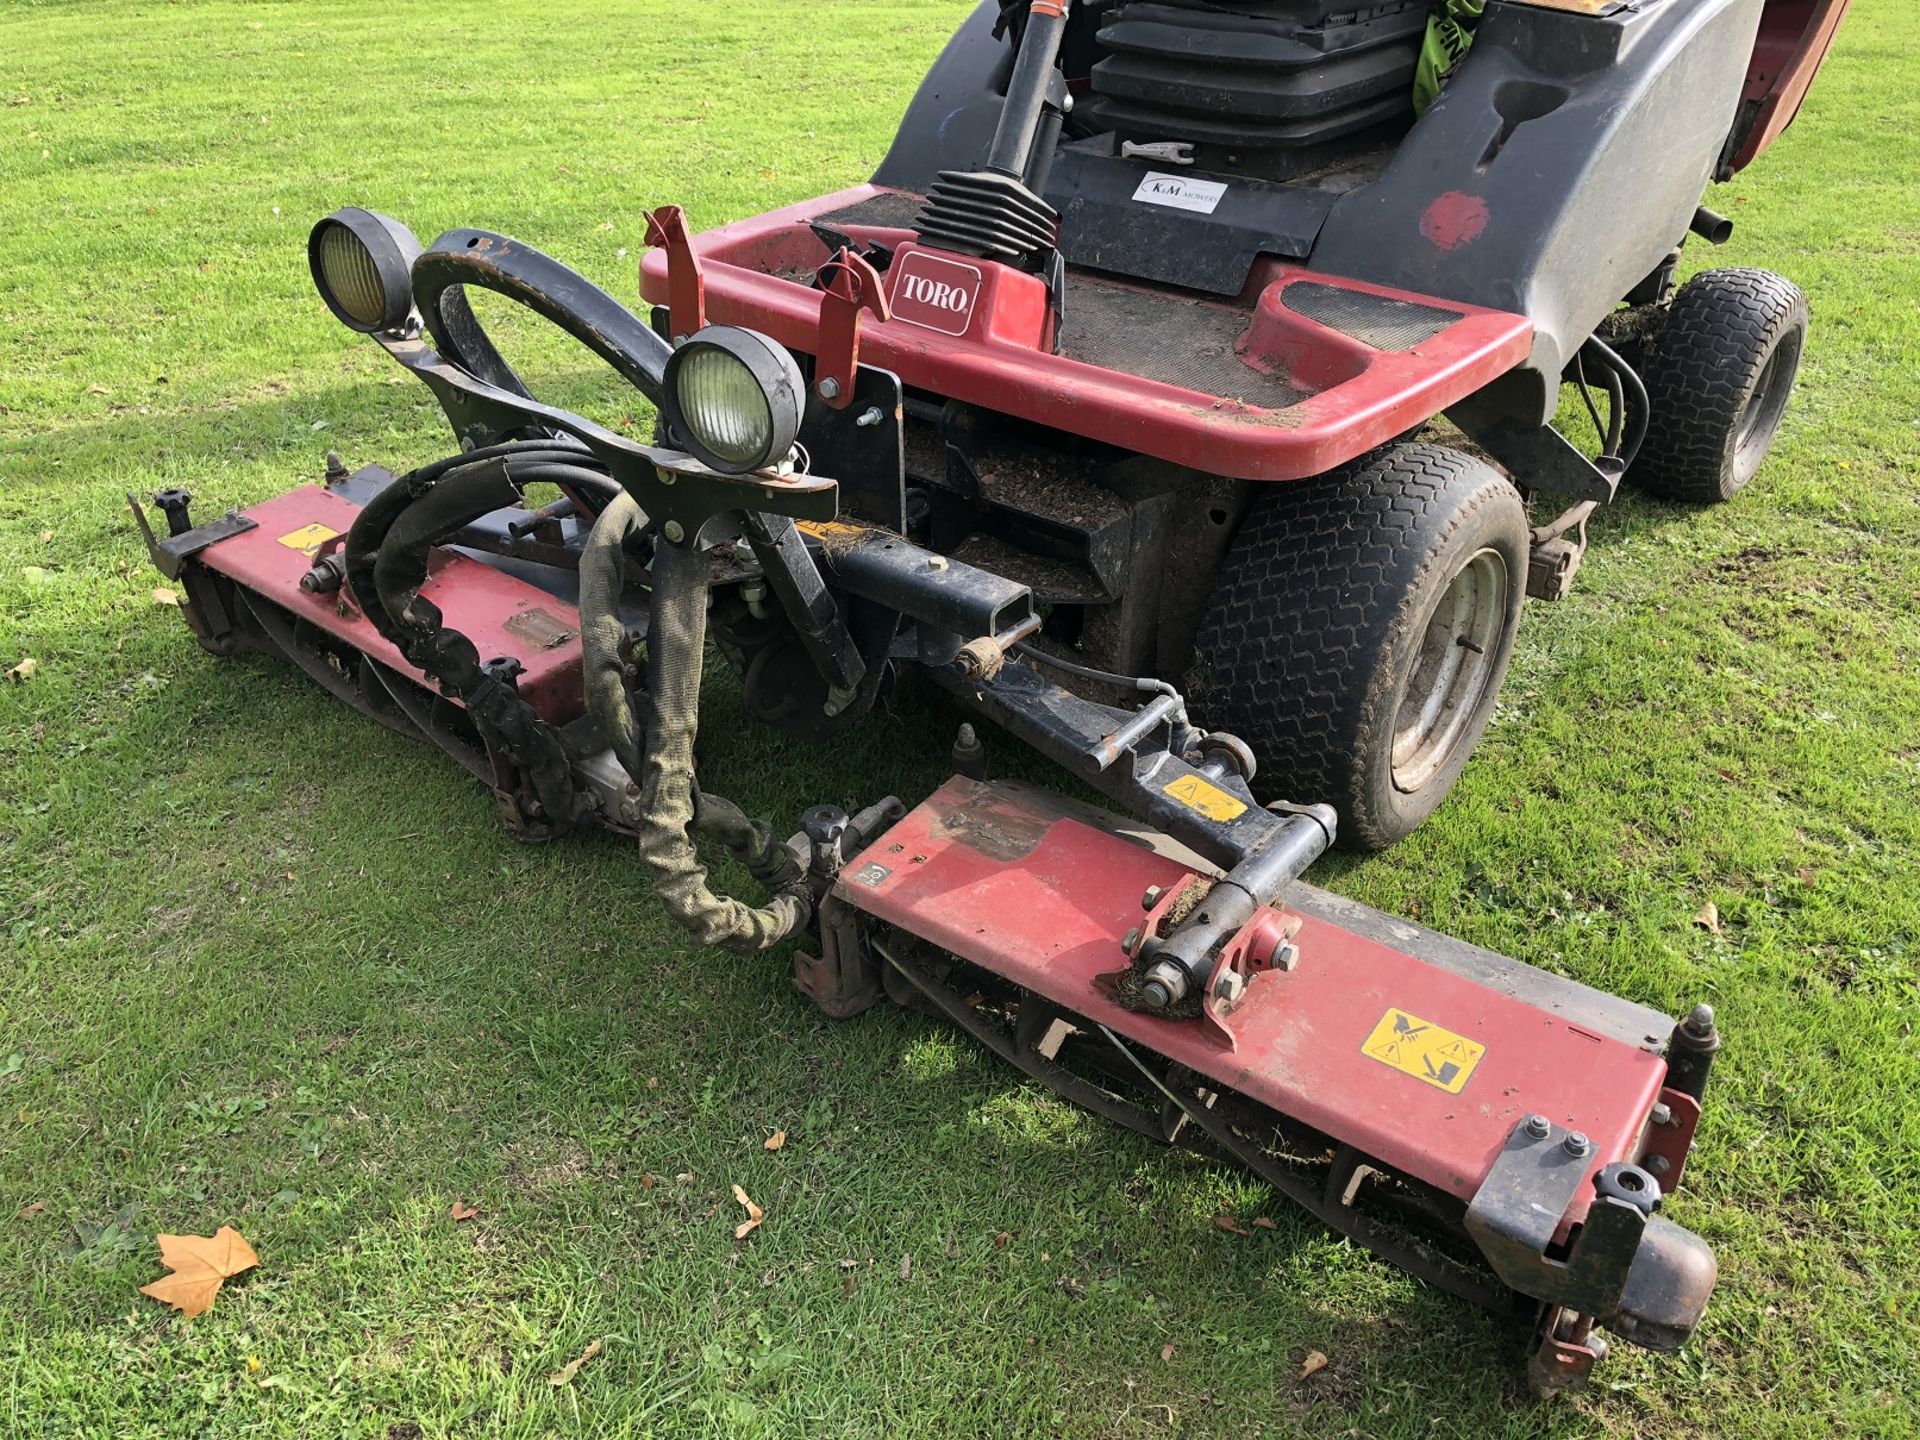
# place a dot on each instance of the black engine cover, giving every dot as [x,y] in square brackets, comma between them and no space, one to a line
[1265,89]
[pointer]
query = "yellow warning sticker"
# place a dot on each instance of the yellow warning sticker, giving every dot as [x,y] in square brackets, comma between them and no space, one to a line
[1414,1047]
[1210,800]
[308,539]
[832,529]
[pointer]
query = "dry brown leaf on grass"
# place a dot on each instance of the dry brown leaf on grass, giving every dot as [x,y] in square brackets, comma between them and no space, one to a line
[1709,918]
[200,1265]
[1261,1222]
[906,1267]
[754,1215]
[775,1140]
[163,596]
[23,672]
[564,1375]
[1313,1364]
[1231,1225]
[1166,1351]
[461,1211]
[27,1212]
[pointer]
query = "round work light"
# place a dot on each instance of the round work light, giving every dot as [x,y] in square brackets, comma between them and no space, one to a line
[363,268]
[734,399]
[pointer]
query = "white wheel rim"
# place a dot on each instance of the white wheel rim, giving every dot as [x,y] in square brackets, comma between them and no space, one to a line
[1451,672]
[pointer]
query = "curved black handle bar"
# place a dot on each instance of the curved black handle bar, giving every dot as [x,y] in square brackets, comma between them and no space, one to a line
[485,401]
[545,286]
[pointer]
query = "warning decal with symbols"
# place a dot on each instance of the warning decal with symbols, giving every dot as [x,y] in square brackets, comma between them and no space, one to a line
[308,539]
[1414,1047]
[1209,800]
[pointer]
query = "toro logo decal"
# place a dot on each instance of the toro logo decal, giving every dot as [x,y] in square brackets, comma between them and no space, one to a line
[936,293]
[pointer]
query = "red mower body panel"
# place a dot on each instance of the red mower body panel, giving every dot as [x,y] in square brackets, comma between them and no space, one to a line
[1409,1062]
[503,616]
[1305,374]
[1795,39]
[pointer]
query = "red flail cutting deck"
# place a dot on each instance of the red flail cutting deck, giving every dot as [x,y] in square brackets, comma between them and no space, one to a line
[1406,1060]
[505,617]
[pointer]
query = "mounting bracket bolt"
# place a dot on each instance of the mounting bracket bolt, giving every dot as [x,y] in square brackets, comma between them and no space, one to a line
[1152,897]
[1130,939]
[1661,1114]
[1577,1145]
[1539,1127]
[829,388]
[674,532]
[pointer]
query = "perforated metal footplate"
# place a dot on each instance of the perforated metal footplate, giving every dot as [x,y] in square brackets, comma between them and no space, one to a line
[889,210]
[1173,339]
[1384,323]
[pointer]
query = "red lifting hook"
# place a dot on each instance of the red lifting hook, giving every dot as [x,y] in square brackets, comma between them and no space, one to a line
[849,284]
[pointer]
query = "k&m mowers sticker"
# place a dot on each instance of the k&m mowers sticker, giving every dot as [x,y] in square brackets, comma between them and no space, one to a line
[1423,1050]
[308,539]
[1210,800]
[1180,192]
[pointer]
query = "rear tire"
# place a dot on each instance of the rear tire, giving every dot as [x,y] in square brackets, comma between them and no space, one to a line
[1333,644]
[1719,378]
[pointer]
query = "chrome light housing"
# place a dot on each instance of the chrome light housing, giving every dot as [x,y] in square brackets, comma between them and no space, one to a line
[362,266]
[734,399]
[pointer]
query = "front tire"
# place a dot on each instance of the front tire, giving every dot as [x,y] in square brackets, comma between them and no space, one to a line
[1360,631]
[1719,377]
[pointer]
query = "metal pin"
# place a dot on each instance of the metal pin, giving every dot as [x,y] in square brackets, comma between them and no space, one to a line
[1167,152]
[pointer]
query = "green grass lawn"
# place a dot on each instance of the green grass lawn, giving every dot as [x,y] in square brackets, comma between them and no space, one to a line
[267,964]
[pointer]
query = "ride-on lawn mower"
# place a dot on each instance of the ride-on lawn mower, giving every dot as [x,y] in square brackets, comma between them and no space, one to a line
[1102,407]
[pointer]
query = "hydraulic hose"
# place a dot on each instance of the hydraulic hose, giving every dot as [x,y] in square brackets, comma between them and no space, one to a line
[386,557]
[603,577]
[656,744]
